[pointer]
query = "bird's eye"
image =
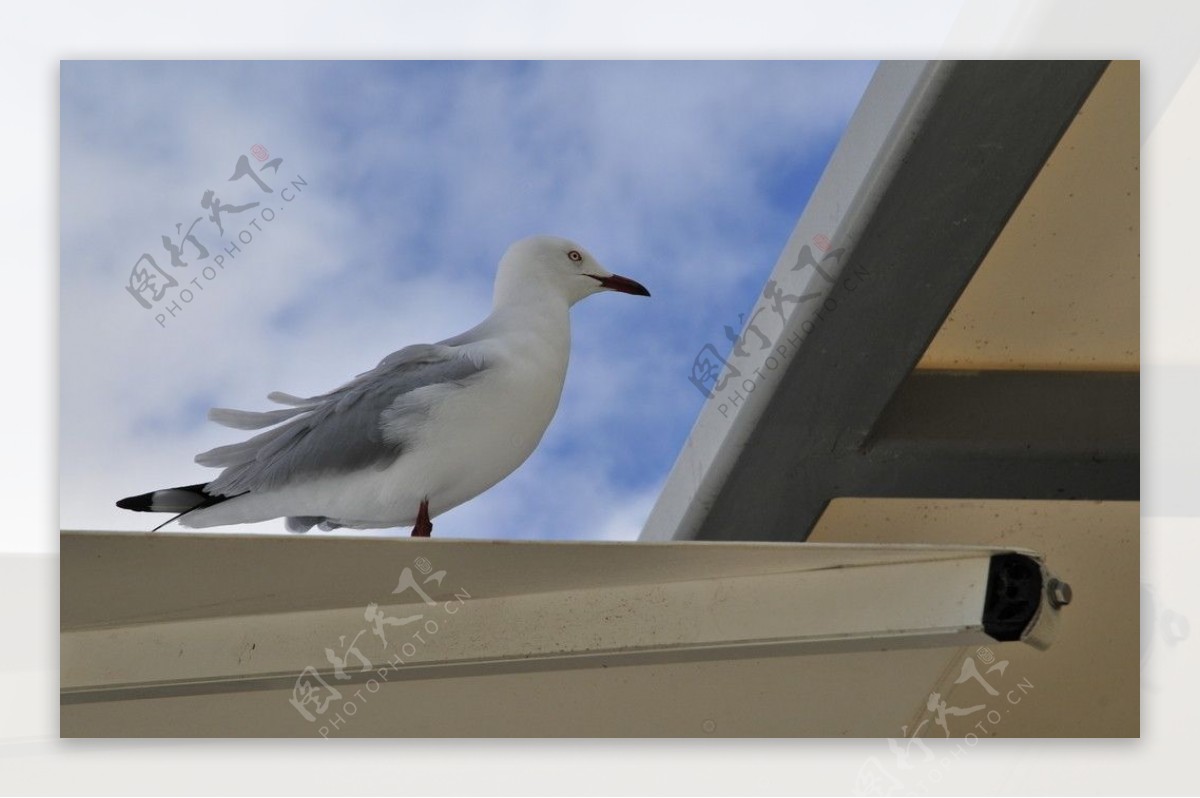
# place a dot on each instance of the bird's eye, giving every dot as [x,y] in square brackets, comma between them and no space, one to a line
[574,255]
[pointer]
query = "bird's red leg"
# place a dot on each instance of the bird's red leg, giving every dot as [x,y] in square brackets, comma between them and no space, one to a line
[424,527]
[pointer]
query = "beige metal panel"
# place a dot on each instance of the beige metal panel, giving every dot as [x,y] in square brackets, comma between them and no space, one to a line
[1060,287]
[1088,683]
[660,633]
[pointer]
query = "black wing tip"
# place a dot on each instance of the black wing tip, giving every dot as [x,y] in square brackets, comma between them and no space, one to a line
[140,504]
[146,502]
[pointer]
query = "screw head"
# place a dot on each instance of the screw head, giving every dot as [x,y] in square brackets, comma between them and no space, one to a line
[1059,593]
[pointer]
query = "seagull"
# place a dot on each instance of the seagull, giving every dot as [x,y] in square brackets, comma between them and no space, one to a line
[430,427]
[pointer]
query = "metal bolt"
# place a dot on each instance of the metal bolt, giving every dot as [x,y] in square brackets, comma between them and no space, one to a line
[1059,593]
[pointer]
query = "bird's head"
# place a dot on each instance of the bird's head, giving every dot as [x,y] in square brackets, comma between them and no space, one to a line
[540,263]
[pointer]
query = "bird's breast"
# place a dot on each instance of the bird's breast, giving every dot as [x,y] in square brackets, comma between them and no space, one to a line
[521,392]
[484,432]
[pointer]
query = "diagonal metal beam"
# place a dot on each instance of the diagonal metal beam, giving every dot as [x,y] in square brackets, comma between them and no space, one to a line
[944,183]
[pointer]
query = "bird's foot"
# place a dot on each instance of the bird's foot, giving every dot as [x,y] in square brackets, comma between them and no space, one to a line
[424,527]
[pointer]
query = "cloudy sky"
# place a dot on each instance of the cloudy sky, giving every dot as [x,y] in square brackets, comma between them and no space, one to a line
[407,181]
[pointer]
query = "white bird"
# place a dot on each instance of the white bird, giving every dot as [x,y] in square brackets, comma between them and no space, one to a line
[430,427]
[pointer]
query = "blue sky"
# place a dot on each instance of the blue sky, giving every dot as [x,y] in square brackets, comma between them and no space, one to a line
[408,181]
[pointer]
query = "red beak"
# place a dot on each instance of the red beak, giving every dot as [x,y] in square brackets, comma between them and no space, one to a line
[615,282]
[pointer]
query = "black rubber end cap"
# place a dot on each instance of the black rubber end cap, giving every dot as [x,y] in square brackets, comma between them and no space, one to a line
[1014,593]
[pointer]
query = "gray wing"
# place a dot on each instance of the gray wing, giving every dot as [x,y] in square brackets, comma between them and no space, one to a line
[365,423]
